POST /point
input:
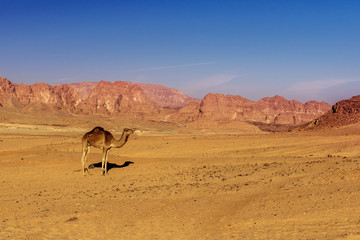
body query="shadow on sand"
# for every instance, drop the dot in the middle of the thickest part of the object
(110, 165)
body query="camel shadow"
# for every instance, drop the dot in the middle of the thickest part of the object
(110, 165)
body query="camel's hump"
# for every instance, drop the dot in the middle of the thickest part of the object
(97, 129)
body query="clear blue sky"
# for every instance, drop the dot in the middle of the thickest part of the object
(301, 50)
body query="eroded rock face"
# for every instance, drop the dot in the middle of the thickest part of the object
(276, 110)
(221, 107)
(165, 97)
(43, 96)
(104, 98)
(118, 98)
(343, 113)
(350, 106)
(162, 96)
(7, 90)
(189, 113)
(157, 103)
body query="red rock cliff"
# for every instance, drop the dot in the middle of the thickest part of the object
(277, 109)
(343, 113)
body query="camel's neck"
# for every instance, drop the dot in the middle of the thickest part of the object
(119, 143)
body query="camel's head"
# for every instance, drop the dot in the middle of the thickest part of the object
(128, 131)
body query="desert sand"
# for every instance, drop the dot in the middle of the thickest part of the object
(173, 185)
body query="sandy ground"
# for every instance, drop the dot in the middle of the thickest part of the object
(172, 186)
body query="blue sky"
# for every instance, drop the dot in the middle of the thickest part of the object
(304, 50)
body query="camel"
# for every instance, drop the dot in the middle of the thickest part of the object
(104, 140)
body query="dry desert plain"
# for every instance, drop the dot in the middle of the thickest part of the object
(171, 185)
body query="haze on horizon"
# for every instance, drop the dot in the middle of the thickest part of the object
(304, 50)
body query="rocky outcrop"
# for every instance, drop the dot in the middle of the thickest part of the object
(343, 113)
(162, 96)
(221, 107)
(274, 110)
(7, 90)
(119, 98)
(165, 97)
(41, 96)
(189, 113)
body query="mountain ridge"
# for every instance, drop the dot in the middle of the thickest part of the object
(154, 102)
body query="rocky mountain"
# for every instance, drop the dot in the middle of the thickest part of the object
(131, 100)
(7, 90)
(165, 97)
(119, 99)
(270, 110)
(162, 96)
(343, 113)
(154, 102)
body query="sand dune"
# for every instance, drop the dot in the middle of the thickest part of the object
(181, 186)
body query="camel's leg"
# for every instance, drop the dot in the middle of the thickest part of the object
(85, 161)
(106, 160)
(86, 150)
(103, 162)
